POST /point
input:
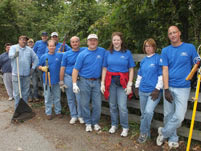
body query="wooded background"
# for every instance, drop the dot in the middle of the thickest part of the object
(137, 19)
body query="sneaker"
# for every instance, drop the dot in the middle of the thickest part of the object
(173, 145)
(160, 139)
(49, 117)
(10, 99)
(88, 128)
(142, 138)
(124, 132)
(81, 120)
(97, 127)
(36, 99)
(73, 120)
(112, 129)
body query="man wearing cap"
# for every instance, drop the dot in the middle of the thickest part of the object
(26, 57)
(5, 66)
(59, 46)
(39, 48)
(89, 65)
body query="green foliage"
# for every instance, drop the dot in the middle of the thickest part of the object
(137, 19)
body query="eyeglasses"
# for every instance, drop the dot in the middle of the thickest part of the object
(147, 46)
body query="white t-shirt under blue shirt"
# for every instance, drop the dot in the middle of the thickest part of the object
(179, 61)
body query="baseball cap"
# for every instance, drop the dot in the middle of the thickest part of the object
(30, 40)
(54, 34)
(44, 34)
(91, 36)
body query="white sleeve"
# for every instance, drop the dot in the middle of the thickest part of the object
(137, 83)
(159, 84)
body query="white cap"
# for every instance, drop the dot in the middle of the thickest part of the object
(54, 34)
(91, 36)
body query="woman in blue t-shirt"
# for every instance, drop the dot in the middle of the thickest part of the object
(149, 83)
(117, 77)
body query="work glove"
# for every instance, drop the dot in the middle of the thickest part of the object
(32, 71)
(62, 86)
(128, 89)
(102, 87)
(136, 92)
(16, 54)
(44, 68)
(155, 94)
(168, 96)
(75, 88)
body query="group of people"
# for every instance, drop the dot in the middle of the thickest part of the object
(86, 72)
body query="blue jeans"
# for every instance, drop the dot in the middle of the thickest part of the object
(90, 90)
(118, 104)
(52, 97)
(25, 85)
(147, 107)
(72, 98)
(174, 112)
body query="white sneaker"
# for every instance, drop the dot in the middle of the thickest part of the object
(160, 139)
(173, 144)
(124, 132)
(97, 127)
(10, 99)
(88, 128)
(81, 120)
(112, 129)
(73, 120)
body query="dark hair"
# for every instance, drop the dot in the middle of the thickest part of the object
(24, 37)
(123, 47)
(7, 44)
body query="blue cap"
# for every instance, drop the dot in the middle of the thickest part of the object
(44, 34)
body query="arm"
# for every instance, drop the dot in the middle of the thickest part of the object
(62, 70)
(104, 70)
(131, 73)
(75, 75)
(165, 77)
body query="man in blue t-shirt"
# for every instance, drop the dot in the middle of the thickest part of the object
(39, 48)
(89, 65)
(50, 64)
(67, 66)
(177, 60)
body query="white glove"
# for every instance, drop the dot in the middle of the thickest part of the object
(75, 88)
(128, 89)
(102, 87)
(62, 86)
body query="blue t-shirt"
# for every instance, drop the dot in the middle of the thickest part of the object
(66, 48)
(69, 59)
(89, 63)
(40, 48)
(5, 63)
(150, 70)
(118, 61)
(54, 63)
(179, 61)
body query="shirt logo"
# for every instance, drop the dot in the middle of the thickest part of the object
(184, 54)
(152, 65)
(161, 60)
(98, 57)
(122, 57)
(57, 59)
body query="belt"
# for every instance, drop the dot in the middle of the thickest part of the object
(92, 79)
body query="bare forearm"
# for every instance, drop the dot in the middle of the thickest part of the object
(165, 77)
(62, 70)
(74, 75)
(104, 70)
(131, 73)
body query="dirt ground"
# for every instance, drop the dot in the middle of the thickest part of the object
(66, 137)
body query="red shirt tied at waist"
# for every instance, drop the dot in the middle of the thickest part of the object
(124, 77)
